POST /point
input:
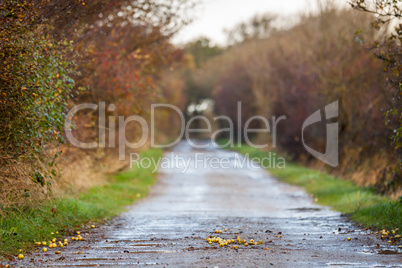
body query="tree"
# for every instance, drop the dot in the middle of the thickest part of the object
(36, 81)
(388, 14)
(202, 50)
(258, 27)
(50, 51)
(300, 70)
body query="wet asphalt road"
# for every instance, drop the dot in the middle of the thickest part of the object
(168, 228)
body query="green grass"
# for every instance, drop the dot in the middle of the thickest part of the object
(19, 229)
(361, 204)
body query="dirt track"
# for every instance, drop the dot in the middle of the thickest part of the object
(168, 228)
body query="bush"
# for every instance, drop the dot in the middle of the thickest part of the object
(35, 83)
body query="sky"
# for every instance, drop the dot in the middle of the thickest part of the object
(213, 16)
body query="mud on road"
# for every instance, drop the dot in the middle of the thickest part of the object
(169, 227)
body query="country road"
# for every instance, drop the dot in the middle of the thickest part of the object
(168, 228)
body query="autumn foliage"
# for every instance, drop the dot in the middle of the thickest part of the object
(388, 49)
(293, 72)
(55, 54)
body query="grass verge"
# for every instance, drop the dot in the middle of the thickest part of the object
(19, 229)
(361, 204)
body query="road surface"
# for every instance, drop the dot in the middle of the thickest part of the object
(168, 228)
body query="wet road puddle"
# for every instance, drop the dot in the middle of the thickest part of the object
(106, 264)
(305, 209)
(344, 264)
(94, 259)
(389, 252)
(123, 241)
(81, 265)
(145, 245)
(153, 252)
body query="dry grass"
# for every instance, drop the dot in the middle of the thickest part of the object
(78, 170)
(82, 169)
(377, 170)
(365, 169)
(18, 187)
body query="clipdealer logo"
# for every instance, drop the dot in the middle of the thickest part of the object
(331, 155)
(119, 124)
